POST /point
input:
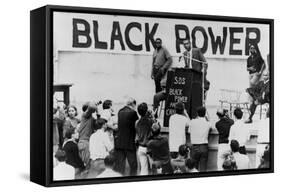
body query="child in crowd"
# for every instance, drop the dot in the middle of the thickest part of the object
(178, 164)
(158, 150)
(109, 164)
(71, 148)
(62, 171)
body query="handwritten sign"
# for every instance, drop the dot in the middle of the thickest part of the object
(183, 85)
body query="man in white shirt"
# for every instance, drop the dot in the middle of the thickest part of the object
(62, 171)
(242, 161)
(239, 130)
(99, 146)
(177, 129)
(199, 129)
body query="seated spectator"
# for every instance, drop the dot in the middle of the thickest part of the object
(109, 164)
(72, 153)
(178, 125)
(99, 146)
(178, 164)
(242, 161)
(62, 171)
(199, 130)
(143, 133)
(229, 162)
(191, 166)
(158, 150)
(157, 98)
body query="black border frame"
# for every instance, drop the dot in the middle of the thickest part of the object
(41, 162)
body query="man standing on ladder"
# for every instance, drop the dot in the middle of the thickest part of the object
(161, 63)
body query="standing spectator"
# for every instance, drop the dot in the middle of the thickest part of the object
(178, 125)
(223, 127)
(71, 119)
(239, 130)
(161, 62)
(109, 162)
(242, 161)
(191, 166)
(100, 145)
(158, 150)
(85, 130)
(107, 113)
(143, 133)
(72, 154)
(125, 138)
(58, 120)
(62, 171)
(199, 129)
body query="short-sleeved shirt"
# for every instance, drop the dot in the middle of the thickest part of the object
(160, 57)
(177, 133)
(239, 131)
(199, 131)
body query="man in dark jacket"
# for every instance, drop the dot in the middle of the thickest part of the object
(125, 146)
(223, 127)
(194, 59)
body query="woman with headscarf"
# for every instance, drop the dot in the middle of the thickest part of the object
(255, 65)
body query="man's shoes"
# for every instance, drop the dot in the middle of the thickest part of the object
(249, 121)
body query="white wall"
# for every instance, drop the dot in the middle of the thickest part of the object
(116, 76)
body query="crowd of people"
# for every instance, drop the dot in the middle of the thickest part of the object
(130, 143)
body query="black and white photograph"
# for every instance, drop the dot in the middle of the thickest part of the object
(140, 95)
